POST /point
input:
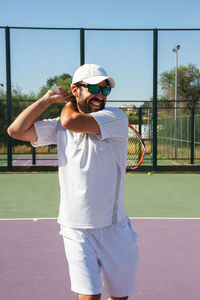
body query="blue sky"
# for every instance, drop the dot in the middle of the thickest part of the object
(126, 56)
(104, 13)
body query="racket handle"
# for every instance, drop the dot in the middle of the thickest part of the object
(55, 89)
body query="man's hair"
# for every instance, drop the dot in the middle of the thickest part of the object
(77, 84)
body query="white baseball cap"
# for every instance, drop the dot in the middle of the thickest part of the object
(92, 74)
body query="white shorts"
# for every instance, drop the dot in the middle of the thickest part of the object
(112, 250)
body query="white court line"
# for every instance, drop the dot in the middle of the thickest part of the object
(24, 164)
(27, 162)
(132, 218)
(163, 218)
(28, 219)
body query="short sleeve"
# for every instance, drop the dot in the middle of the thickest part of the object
(46, 132)
(113, 122)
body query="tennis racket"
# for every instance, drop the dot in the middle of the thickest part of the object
(136, 149)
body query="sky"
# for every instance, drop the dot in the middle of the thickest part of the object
(101, 14)
(126, 56)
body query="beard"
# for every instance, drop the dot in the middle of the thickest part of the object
(90, 105)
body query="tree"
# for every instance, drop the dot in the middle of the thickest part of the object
(21, 100)
(188, 86)
(63, 80)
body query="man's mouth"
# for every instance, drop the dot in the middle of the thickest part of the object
(96, 103)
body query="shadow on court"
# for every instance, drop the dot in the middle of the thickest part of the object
(33, 264)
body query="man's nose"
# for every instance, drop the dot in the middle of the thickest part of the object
(100, 95)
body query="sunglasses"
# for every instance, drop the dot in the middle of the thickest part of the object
(95, 89)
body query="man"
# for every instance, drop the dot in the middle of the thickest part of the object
(92, 148)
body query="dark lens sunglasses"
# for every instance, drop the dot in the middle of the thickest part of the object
(95, 89)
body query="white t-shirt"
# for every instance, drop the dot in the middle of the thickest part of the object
(91, 169)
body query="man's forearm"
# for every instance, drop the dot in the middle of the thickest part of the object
(27, 118)
(22, 128)
(74, 120)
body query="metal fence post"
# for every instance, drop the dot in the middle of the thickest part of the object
(140, 120)
(155, 87)
(33, 156)
(9, 96)
(82, 46)
(192, 137)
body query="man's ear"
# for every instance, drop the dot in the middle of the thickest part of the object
(75, 90)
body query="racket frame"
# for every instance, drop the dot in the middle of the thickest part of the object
(143, 147)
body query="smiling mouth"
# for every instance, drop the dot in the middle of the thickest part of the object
(97, 104)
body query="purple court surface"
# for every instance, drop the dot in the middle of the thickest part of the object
(33, 264)
(39, 162)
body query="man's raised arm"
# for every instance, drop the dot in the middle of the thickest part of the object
(23, 126)
(77, 121)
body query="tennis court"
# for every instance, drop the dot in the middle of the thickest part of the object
(165, 213)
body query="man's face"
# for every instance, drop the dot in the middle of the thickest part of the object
(87, 102)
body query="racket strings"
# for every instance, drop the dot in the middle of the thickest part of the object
(136, 150)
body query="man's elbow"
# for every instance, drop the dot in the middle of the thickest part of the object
(11, 132)
(14, 133)
(28, 135)
(67, 123)
(64, 123)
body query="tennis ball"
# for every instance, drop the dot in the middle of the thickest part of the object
(149, 173)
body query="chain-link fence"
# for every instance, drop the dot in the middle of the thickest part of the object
(178, 139)
(150, 73)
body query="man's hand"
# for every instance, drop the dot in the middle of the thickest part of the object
(57, 97)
